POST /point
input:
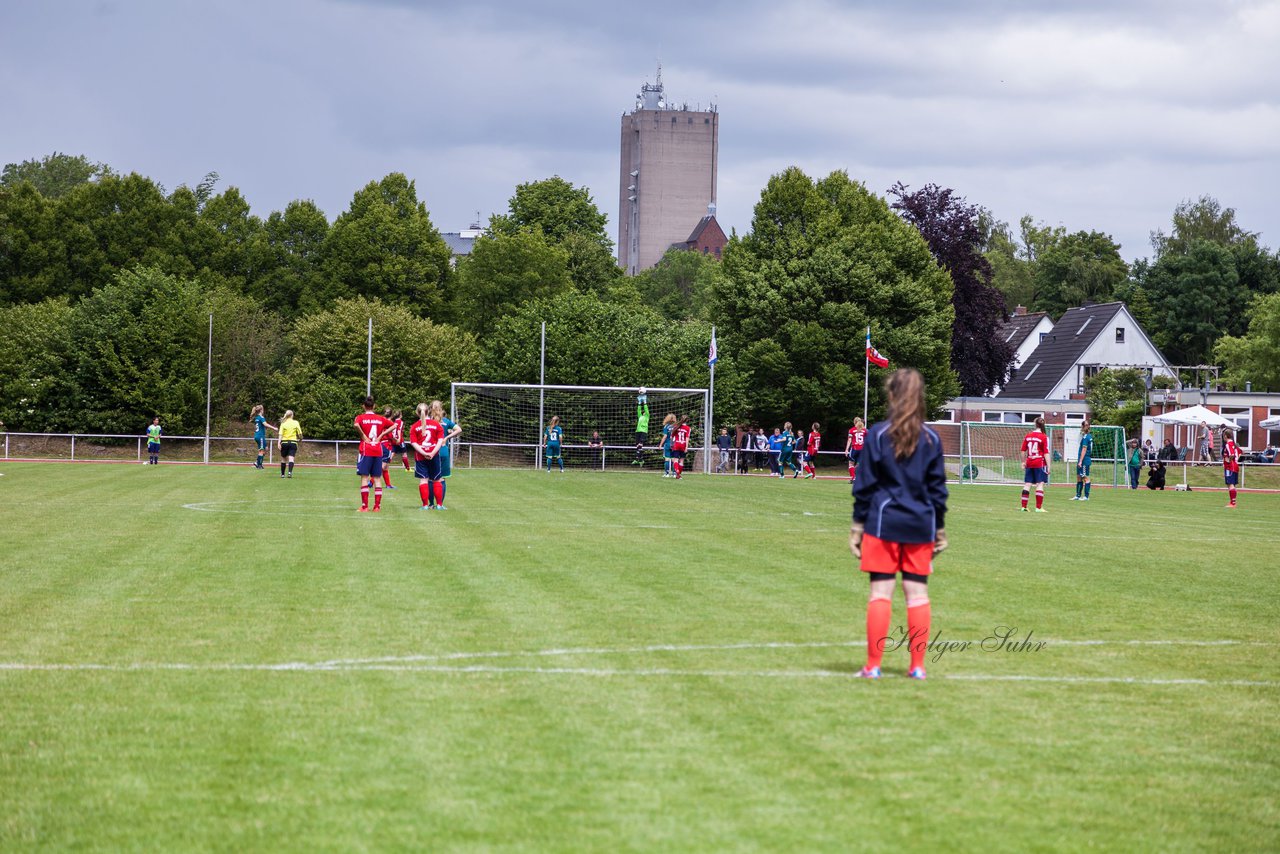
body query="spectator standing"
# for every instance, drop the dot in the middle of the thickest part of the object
(723, 444)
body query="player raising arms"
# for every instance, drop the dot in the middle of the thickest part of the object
(426, 436)
(373, 428)
(1035, 446)
(680, 445)
(1083, 463)
(451, 432)
(260, 428)
(642, 425)
(1230, 463)
(811, 451)
(853, 447)
(551, 439)
(899, 510)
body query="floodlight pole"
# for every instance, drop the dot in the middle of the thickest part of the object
(208, 391)
(866, 379)
(368, 364)
(542, 382)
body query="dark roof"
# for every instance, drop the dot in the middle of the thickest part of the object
(1060, 350)
(701, 227)
(1016, 329)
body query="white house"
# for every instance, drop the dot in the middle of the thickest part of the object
(1024, 331)
(1085, 340)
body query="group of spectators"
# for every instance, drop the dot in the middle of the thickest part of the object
(1157, 461)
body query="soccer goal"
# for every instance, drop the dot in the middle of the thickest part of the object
(503, 424)
(992, 452)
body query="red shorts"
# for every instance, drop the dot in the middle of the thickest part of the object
(884, 556)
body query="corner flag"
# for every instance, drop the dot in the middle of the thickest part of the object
(873, 355)
(711, 354)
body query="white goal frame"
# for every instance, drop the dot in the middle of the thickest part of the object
(542, 388)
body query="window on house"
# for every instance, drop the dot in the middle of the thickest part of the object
(992, 417)
(1242, 416)
(1043, 335)
(1074, 418)
(1119, 334)
(706, 121)
(1273, 436)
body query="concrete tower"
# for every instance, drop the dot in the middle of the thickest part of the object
(667, 175)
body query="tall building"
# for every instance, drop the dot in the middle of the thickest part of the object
(667, 175)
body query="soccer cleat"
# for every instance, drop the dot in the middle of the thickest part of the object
(441, 507)
(869, 673)
(1229, 506)
(1076, 498)
(427, 507)
(282, 477)
(1086, 498)
(389, 486)
(363, 510)
(1023, 509)
(1040, 510)
(916, 673)
(376, 510)
(289, 475)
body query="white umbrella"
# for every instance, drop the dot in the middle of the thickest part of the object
(1270, 422)
(1194, 416)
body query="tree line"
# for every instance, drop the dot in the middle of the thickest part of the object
(107, 282)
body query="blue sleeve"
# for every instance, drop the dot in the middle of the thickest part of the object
(865, 484)
(936, 482)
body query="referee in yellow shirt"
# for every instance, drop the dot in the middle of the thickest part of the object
(290, 433)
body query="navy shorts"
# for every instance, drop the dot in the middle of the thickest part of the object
(1083, 470)
(677, 455)
(1040, 475)
(1231, 477)
(427, 469)
(153, 447)
(368, 466)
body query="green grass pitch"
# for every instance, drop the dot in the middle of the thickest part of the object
(215, 658)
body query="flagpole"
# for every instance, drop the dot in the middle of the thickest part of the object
(711, 399)
(866, 377)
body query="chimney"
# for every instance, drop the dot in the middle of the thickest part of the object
(1019, 311)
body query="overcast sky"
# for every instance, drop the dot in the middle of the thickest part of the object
(1090, 114)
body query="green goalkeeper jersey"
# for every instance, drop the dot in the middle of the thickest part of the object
(642, 418)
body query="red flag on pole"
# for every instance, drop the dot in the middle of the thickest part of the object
(873, 355)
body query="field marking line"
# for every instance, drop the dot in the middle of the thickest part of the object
(598, 672)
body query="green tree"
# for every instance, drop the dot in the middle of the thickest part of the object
(680, 285)
(1116, 397)
(567, 217)
(414, 359)
(248, 347)
(1204, 219)
(287, 255)
(1255, 356)
(1078, 268)
(1196, 297)
(38, 392)
(504, 271)
(823, 261)
(139, 348)
(31, 248)
(384, 247)
(53, 175)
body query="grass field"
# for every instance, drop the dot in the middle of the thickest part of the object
(214, 658)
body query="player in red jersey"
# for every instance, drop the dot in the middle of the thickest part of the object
(1035, 462)
(426, 437)
(373, 428)
(853, 447)
(811, 451)
(1230, 462)
(680, 445)
(389, 445)
(398, 445)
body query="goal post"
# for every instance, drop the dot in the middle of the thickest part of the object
(503, 423)
(991, 452)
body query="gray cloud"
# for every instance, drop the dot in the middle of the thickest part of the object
(1082, 114)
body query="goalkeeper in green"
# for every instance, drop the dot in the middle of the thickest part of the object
(642, 426)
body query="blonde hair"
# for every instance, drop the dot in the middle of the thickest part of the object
(905, 389)
(256, 411)
(422, 409)
(437, 410)
(670, 419)
(786, 425)
(555, 419)
(857, 422)
(288, 413)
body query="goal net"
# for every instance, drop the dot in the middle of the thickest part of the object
(503, 425)
(992, 453)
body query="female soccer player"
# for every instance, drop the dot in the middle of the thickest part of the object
(642, 425)
(388, 446)
(668, 427)
(425, 437)
(680, 445)
(1083, 462)
(787, 450)
(1035, 465)
(153, 442)
(552, 437)
(260, 428)
(899, 507)
(853, 447)
(373, 428)
(451, 432)
(1230, 463)
(289, 433)
(811, 451)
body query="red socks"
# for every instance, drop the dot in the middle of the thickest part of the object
(1232, 493)
(1039, 499)
(386, 475)
(405, 459)
(424, 490)
(918, 632)
(1024, 500)
(879, 612)
(377, 497)
(853, 472)
(437, 488)
(364, 496)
